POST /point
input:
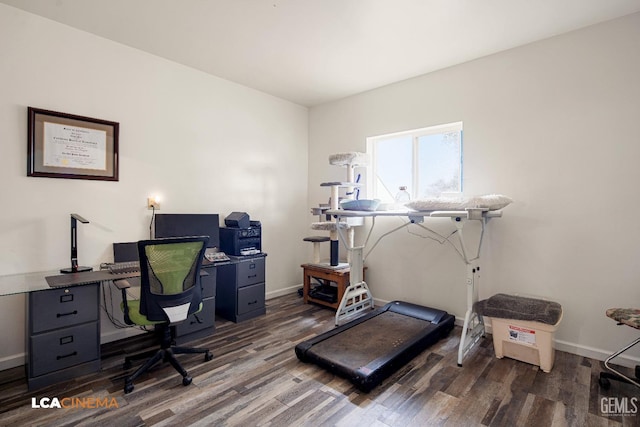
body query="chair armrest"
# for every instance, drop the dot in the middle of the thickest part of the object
(122, 284)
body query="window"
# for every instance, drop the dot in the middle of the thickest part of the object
(427, 161)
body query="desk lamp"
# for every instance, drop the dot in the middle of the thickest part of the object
(74, 246)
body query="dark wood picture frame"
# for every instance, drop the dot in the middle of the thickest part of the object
(62, 145)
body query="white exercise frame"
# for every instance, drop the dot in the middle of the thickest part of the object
(357, 296)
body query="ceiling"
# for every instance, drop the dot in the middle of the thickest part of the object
(315, 51)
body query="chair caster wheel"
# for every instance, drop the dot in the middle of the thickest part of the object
(126, 365)
(186, 380)
(604, 383)
(128, 388)
(208, 356)
(460, 365)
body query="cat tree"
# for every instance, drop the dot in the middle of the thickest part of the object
(350, 161)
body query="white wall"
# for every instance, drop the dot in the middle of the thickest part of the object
(204, 144)
(554, 125)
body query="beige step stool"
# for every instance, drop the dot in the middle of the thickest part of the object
(530, 342)
(522, 327)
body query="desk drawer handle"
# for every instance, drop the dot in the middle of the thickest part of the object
(66, 298)
(66, 340)
(75, 353)
(251, 303)
(67, 314)
(252, 276)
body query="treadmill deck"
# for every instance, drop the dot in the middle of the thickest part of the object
(370, 348)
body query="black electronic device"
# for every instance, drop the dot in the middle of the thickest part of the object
(326, 293)
(241, 241)
(125, 252)
(125, 258)
(237, 220)
(183, 225)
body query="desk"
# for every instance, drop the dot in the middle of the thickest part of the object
(63, 333)
(63, 321)
(23, 283)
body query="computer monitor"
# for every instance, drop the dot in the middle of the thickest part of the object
(125, 252)
(180, 225)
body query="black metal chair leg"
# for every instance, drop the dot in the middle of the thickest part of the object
(616, 375)
(128, 382)
(188, 350)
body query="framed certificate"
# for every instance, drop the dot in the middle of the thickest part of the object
(67, 146)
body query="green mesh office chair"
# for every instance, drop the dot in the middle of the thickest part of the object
(169, 292)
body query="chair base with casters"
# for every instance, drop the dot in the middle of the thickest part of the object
(629, 317)
(166, 353)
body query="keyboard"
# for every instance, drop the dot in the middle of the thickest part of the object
(124, 267)
(216, 257)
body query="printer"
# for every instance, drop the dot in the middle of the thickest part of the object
(241, 236)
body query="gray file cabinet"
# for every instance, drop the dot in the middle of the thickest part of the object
(201, 324)
(241, 288)
(63, 334)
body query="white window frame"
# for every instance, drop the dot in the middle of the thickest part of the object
(372, 182)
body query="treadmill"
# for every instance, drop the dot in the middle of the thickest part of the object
(371, 348)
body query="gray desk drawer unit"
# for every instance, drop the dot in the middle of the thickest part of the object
(63, 334)
(241, 289)
(201, 324)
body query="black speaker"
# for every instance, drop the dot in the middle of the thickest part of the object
(237, 220)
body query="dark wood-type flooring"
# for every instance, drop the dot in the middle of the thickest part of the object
(256, 379)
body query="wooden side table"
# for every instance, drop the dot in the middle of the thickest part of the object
(339, 276)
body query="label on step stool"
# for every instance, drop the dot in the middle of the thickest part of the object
(522, 335)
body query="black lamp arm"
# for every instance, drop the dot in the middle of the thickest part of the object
(74, 245)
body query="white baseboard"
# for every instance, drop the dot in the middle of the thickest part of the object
(596, 353)
(579, 350)
(120, 334)
(282, 292)
(13, 361)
